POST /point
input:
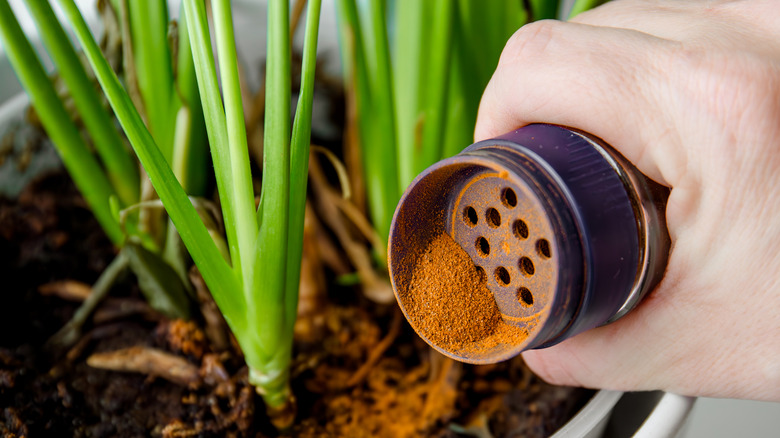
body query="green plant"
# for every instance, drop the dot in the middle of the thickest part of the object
(256, 286)
(415, 71)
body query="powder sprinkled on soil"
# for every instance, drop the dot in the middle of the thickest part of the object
(447, 298)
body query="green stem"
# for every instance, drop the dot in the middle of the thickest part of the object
(149, 27)
(271, 257)
(299, 161)
(81, 164)
(463, 99)
(70, 332)
(379, 149)
(374, 100)
(194, 168)
(240, 175)
(409, 57)
(121, 166)
(272, 380)
(211, 99)
(436, 86)
(182, 154)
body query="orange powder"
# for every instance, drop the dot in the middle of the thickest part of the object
(447, 298)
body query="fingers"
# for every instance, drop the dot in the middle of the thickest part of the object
(601, 80)
(617, 356)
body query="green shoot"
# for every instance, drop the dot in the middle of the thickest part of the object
(190, 149)
(368, 70)
(253, 293)
(299, 161)
(154, 72)
(276, 187)
(407, 79)
(434, 111)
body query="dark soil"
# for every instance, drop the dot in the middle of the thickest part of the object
(48, 234)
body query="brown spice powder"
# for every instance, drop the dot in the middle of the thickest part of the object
(447, 299)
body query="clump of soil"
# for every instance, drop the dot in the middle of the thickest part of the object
(447, 299)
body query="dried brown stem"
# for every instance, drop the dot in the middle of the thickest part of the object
(442, 390)
(146, 360)
(352, 156)
(378, 351)
(216, 328)
(70, 290)
(374, 287)
(361, 223)
(311, 296)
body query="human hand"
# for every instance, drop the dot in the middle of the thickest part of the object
(690, 93)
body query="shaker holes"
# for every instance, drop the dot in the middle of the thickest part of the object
(527, 266)
(470, 216)
(481, 273)
(483, 247)
(509, 198)
(543, 248)
(525, 297)
(493, 217)
(502, 276)
(520, 229)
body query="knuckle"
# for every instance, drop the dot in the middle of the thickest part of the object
(610, 12)
(529, 41)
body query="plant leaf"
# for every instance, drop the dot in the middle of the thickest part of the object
(299, 161)
(154, 69)
(159, 283)
(216, 124)
(268, 309)
(240, 176)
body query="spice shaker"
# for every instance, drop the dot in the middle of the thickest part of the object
(567, 234)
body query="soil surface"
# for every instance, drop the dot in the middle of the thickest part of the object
(343, 387)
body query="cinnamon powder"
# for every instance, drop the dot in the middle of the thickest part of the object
(447, 299)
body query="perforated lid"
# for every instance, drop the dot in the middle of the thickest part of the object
(545, 216)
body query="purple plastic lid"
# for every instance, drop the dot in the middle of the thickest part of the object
(599, 245)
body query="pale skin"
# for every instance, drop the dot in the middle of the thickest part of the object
(690, 93)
